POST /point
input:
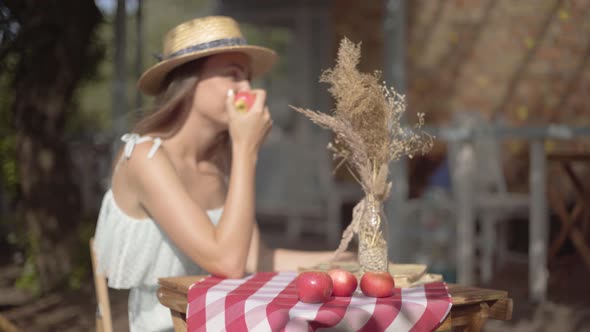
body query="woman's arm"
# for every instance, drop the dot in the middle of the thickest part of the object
(221, 250)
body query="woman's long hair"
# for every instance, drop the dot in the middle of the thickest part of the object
(171, 106)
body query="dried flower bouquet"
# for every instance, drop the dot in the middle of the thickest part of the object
(368, 135)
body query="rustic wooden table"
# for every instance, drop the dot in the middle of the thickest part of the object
(471, 306)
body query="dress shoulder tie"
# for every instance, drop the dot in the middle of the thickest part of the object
(133, 139)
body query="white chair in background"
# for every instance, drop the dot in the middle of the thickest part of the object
(295, 183)
(492, 204)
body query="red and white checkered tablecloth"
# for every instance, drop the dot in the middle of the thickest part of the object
(267, 302)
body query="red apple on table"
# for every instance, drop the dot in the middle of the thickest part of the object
(243, 101)
(313, 286)
(344, 282)
(377, 284)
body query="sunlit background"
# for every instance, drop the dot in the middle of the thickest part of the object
(503, 85)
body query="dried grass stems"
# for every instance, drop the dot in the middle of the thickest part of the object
(367, 126)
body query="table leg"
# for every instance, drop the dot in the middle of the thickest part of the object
(580, 244)
(538, 238)
(567, 220)
(463, 181)
(470, 318)
(570, 219)
(578, 235)
(446, 325)
(487, 251)
(575, 180)
(479, 319)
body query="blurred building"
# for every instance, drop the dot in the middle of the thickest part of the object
(516, 63)
(523, 62)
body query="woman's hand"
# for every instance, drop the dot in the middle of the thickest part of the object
(248, 130)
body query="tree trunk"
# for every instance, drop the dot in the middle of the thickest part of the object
(55, 50)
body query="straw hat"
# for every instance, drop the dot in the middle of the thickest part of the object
(199, 38)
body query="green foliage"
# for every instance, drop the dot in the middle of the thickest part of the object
(10, 185)
(29, 279)
(276, 38)
(90, 110)
(81, 259)
(78, 120)
(8, 162)
(9, 172)
(95, 97)
(23, 55)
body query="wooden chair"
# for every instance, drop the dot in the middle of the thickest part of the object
(104, 322)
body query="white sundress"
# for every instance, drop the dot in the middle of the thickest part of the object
(134, 253)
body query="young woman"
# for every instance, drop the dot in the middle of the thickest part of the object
(182, 197)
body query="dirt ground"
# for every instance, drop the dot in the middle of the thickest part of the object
(567, 308)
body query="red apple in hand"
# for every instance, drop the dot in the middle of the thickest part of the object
(313, 286)
(243, 101)
(377, 284)
(344, 282)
